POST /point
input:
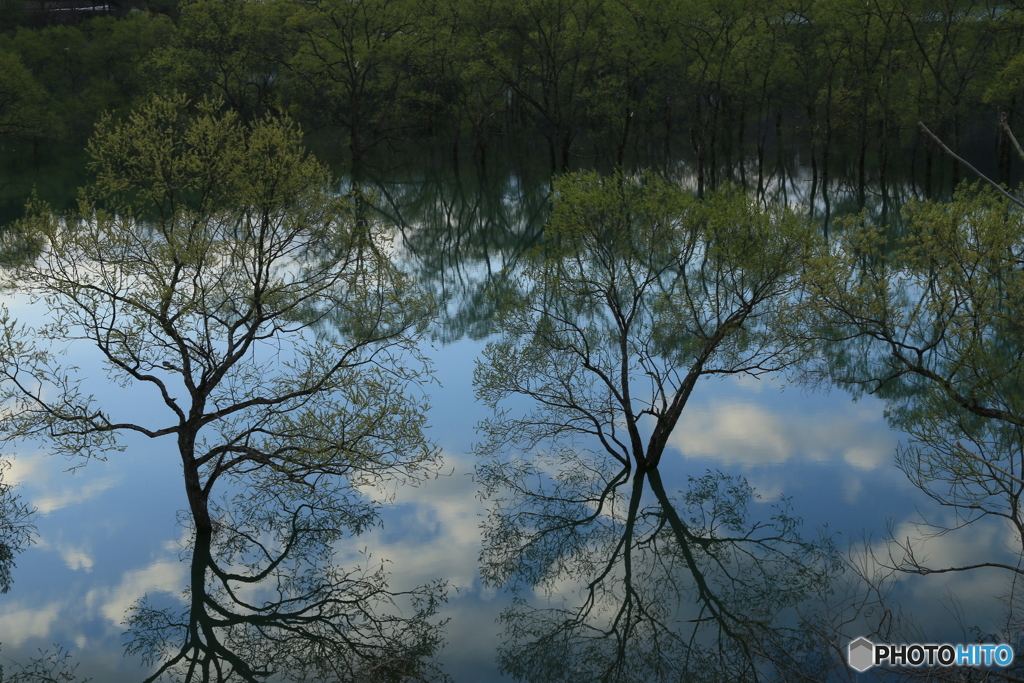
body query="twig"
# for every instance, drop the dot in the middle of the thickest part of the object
(1013, 139)
(988, 464)
(978, 173)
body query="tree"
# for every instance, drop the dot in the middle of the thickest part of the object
(639, 291)
(266, 601)
(231, 50)
(931, 322)
(210, 264)
(351, 66)
(687, 588)
(16, 529)
(548, 54)
(23, 112)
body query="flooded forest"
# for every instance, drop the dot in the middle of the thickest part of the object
(382, 341)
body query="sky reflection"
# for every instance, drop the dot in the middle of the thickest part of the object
(108, 532)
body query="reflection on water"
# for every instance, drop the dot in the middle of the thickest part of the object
(16, 527)
(266, 599)
(615, 580)
(596, 565)
(639, 293)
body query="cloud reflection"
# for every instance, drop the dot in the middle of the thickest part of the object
(162, 576)
(53, 501)
(443, 516)
(75, 557)
(744, 433)
(18, 624)
(34, 471)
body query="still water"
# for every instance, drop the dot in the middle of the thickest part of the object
(110, 532)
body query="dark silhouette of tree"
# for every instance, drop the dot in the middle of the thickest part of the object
(639, 291)
(266, 601)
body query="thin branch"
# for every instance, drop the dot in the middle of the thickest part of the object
(976, 172)
(1006, 129)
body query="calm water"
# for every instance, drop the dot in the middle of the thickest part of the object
(108, 532)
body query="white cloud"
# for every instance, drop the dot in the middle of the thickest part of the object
(739, 432)
(75, 557)
(446, 515)
(23, 469)
(162, 576)
(57, 500)
(18, 624)
(47, 486)
(868, 457)
(976, 591)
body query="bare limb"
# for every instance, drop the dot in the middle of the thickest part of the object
(976, 172)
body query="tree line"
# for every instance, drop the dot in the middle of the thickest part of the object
(838, 82)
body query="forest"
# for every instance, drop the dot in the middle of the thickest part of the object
(834, 82)
(272, 217)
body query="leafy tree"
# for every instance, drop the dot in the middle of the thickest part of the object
(931, 322)
(87, 70)
(16, 529)
(549, 54)
(952, 55)
(639, 291)
(233, 51)
(23, 110)
(211, 265)
(116, 51)
(351, 66)
(579, 333)
(12, 12)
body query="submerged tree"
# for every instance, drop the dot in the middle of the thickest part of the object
(265, 600)
(932, 323)
(204, 265)
(639, 292)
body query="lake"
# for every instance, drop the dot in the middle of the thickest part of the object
(112, 531)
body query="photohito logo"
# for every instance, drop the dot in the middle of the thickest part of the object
(863, 654)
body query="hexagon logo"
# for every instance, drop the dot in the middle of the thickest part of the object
(862, 654)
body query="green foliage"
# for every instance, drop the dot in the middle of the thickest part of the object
(352, 64)
(233, 51)
(23, 111)
(16, 529)
(86, 70)
(932, 324)
(640, 291)
(212, 265)
(856, 76)
(210, 244)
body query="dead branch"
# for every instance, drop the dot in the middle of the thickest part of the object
(976, 172)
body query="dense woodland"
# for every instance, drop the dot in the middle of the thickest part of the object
(214, 241)
(839, 83)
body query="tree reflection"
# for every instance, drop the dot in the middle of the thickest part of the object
(640, 291)
(16, 528)
(462, 229)
(266, 600)
(931, 323)
(641, 586)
